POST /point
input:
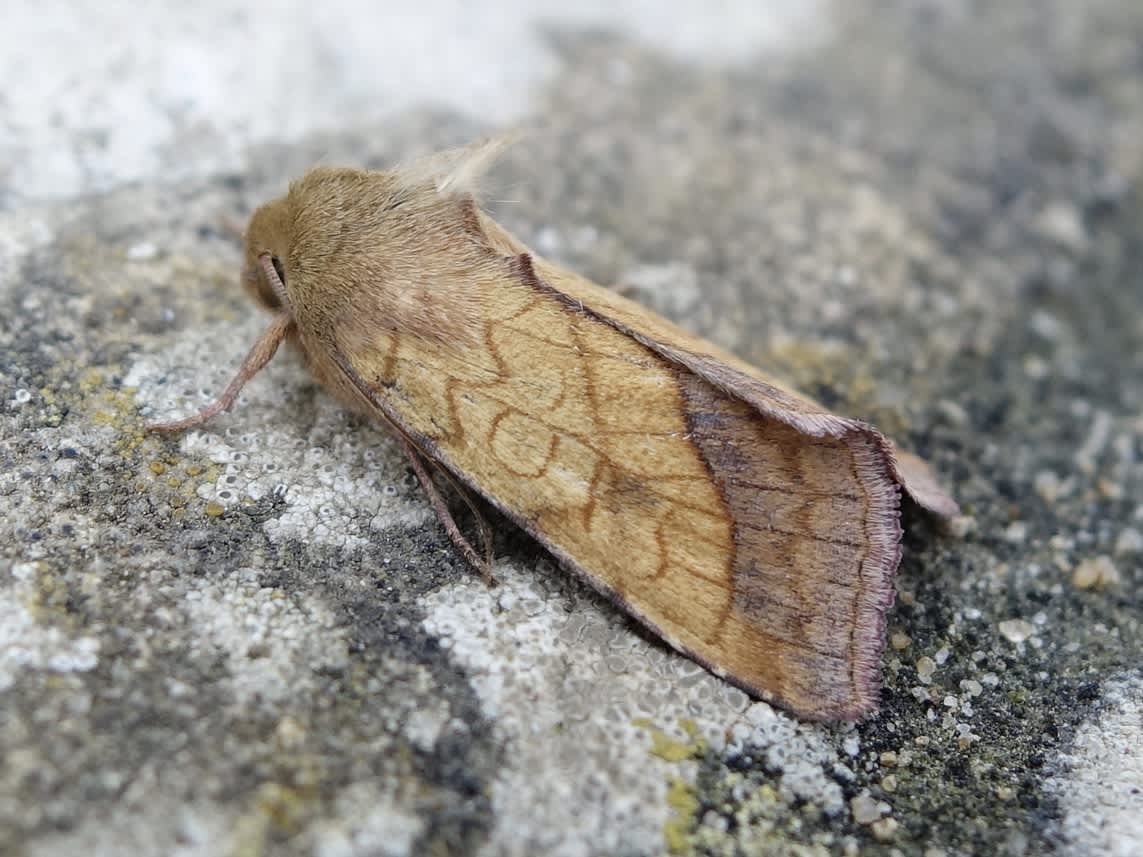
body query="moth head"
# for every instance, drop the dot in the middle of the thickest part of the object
(267, 234)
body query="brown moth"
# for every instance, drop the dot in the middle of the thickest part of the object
(740, 521)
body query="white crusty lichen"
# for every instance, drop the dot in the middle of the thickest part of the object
(599, 721)
(338, 484)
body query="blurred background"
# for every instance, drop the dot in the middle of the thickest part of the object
(98, 93)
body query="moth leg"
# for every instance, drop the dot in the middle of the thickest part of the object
(481, 525)
(261, 354)
(481, 564)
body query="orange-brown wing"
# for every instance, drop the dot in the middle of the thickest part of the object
(724, 370)
(759, 549)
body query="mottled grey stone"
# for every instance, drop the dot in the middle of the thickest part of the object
(255, 639)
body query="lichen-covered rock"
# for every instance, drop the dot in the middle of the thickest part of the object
(255, 639)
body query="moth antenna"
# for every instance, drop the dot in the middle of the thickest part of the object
(267, 263)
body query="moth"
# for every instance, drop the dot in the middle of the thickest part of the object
(740, 521)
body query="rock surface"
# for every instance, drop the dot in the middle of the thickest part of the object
(255, 639)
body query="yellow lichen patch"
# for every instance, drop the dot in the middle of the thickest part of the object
(90, 381)
(804, 361)
(682, 798)
(668, 749)
(50, 599)
(276, 809)
(283, 806)
(183, 488)
(200, 475)
(114, 408)
(673, 749)
(87, 391)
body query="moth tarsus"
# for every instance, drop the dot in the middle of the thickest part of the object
(743, 523)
